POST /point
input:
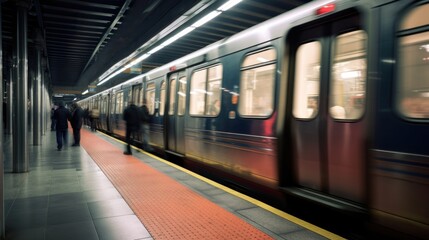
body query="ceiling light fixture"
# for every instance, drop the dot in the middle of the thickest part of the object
(187, 30)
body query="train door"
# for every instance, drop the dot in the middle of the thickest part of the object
(107, 104)
(176, 112)
(138, 101)
(112, 107)
(328, 103)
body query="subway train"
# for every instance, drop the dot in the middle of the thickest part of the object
(327, 104)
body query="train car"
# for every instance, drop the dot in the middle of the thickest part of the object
(327, 104)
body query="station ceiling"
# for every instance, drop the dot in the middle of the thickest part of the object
(82, 39)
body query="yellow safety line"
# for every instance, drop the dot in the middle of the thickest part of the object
(265, 206)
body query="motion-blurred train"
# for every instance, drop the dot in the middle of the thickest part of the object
(327, 103)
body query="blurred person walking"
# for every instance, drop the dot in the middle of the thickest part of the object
(132, 116)
(94, 114)
(53, 121)
(61, 116)
(145, 127)
(76, 123)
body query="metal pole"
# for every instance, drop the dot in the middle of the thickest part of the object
(9, 98)
(20, 95)
(37, 97)
(2, 220)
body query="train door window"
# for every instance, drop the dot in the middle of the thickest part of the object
(205, 94)
(162, 99)
(347, 89)
(119, 102)
(413, 61)
(129, 98)
(141, 96)
(113, 101)
(150, 97)
(257, 84)
(198, 90)
(182, 96)
(103, 105)
(172, 96)
(307, 81)
(135, 97)
(100, 105)
(214, 90)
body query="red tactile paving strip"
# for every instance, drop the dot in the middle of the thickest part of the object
(168, 209)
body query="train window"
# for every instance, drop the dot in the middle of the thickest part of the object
(172, 96)
(150, 97)
(136, 91)
(162, 99)
(198, 92)
(413, 59)
(206, 91)
(307, 81)
(119, 102)
(103, 105)
(416, 18)
(141, 96)
(257, 84)
(348, 80)
(113, 101)
(182, 96)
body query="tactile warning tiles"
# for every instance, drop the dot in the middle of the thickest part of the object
(167, 209)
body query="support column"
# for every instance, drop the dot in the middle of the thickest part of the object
(9, 98)
(2, 219)
(44, 98)
(37, 103)
(20, 93)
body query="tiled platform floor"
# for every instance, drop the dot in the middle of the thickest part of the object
(65, 196)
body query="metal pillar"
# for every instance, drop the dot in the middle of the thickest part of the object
(43, 99)
(9, 98)
(30, 77)
(2, 219)
(37, 103)
(20, 93)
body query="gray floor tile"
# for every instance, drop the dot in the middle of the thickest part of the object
(31, 203)
(231, 202)
(72, 231)
(68, 214)
(109, 208)
(101, 195)
(66, 199)
(27, 234)
(270, 221)
(25, 219)
(303, 235)
(124, 227)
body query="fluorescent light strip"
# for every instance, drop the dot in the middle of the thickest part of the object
(139, 59)
(187, 30)
(228, 5)
(85, 92)
(179, 35)
(206, 18)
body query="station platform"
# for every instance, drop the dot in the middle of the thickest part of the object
(95, 192)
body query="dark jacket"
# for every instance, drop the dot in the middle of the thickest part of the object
(77, 118)
(144, 114)
(62, 115)
(132, 116)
